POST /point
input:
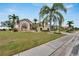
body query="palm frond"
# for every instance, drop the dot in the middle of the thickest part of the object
(10, 17)
(46, 19)
(70, 22)
(59, 6)
(54, 18)
(44, 10)
(60, 17)
(17, 17)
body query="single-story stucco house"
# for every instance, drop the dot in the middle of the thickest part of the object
(23, 25)
(27, 25)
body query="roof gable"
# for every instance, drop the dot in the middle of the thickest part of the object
(27, 20)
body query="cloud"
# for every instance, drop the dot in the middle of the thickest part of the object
(69, 6)
(3, 15)
(11, 10)
(49, 4)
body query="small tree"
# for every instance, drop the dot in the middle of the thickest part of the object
(69, 23)
(35, 21)
(14, 19)
(6, 23)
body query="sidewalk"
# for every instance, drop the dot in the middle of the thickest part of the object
(46, 49)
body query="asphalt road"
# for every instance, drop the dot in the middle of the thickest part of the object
(75, 48)
(64, 46)
(70, 48)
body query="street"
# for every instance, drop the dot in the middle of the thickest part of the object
(70, 48)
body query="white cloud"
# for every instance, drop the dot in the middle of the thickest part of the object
(11, 10)
(69, 6)
(49, 4)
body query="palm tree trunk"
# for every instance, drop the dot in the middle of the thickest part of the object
(59, 28)
(60, 24)
(13, 24)
(50, 20)
(50, 26)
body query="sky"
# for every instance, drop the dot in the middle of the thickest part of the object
(31, 11)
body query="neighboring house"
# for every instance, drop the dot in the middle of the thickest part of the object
(23, 25)
(43, 26)
(65, 26)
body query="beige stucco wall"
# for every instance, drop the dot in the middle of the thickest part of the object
(19, 26)
(43, 28)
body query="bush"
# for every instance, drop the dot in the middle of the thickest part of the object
(4, 29)
(15, 30)
(10, 29)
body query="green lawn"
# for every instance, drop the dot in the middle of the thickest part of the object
(14, 42)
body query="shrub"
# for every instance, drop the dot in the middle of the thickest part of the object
(15, 30)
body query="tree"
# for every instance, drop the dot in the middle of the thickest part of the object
(14, 19)
(60, 20)
(71, 27)
(6, 23)
(51, 13)
(70, 23)
(3, 24)
(35, 25)
(35, 20)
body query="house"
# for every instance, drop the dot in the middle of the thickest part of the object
(43, 26)
(27, 25)
(23, 25)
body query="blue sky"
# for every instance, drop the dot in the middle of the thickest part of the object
(31, 11)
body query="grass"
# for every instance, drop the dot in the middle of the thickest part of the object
(15, 42)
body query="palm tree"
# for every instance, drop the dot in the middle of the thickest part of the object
(51, 13)
(13, 21)
(35, 20)
(70, 23)
(60, 20)
(71, 28)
